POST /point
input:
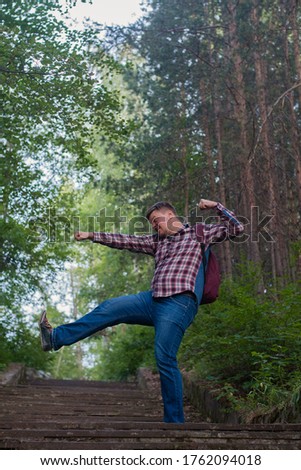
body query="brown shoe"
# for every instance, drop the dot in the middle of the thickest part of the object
(45, 333)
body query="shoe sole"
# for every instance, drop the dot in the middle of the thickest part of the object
(42, 317)
(45, 346)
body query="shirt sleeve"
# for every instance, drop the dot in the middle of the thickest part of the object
(228, 227)
(138, 244)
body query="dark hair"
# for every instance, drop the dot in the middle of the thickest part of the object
(158, 206)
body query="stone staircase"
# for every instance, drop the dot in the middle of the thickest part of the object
(74, 414)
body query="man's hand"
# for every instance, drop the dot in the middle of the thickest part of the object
(79, 236)
(206, 204)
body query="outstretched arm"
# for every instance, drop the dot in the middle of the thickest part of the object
(138, 244)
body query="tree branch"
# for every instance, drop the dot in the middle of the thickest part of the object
(252, 153)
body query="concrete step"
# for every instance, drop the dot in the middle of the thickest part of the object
(62, 415)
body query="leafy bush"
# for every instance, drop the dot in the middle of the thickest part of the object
(20, 343)
(249, 344)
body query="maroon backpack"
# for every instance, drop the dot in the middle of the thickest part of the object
(212, 276)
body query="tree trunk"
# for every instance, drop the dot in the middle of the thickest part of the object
(276, 255)
(221, 176)
(296, 41)
(207, 142)
(241, 115)
(292, 204)
(186, 177)
(79, 352)
(209, 161)
(184, 152)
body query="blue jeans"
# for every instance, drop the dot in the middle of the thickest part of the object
(170, 316)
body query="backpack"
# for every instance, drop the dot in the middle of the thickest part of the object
(212, 277)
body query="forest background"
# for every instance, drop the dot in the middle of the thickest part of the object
(195, 99)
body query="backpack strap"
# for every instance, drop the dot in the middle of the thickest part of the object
(200, 237)
(204, 257)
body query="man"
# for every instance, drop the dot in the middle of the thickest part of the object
(171, 304)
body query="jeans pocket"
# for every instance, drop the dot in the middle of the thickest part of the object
(182, 301)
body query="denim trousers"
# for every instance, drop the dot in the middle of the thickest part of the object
(170, 316)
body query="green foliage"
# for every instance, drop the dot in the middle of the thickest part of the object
(249, 344)
(53, 94)
(55, 91)
(67, 363)
(123, 351)
(19, 343)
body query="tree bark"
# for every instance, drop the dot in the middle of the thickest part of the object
(241, 115)
(221, 176)
(267, 156)
(184, 153)
(292, 203)
(79, 352)
(207, 142)
(296, 42)
(209, 160)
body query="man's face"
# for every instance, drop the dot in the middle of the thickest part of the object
(162, 221)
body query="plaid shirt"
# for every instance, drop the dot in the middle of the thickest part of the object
(177, 257)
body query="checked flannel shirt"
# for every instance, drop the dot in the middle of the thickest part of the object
(177, 257)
